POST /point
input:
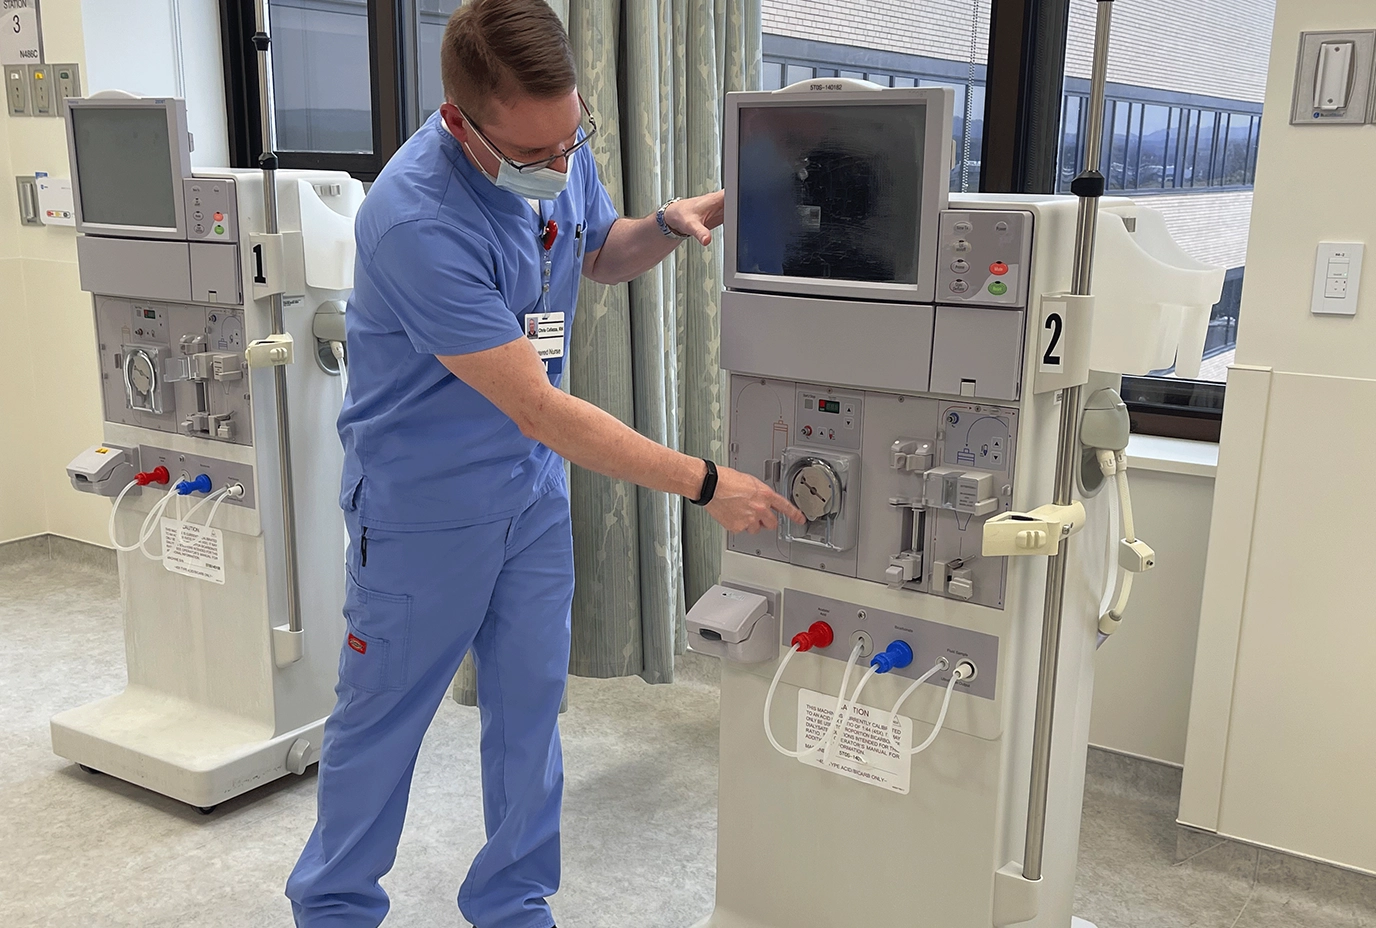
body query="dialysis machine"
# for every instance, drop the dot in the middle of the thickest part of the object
(920, 374)
(218, 306)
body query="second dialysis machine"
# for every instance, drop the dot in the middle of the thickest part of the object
(218, 308)
(900, 361)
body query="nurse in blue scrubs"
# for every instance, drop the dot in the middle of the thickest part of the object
(471, 245)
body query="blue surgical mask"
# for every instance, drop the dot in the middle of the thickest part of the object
(544, 184)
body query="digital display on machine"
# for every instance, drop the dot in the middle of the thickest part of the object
(829, 405)
(831, 192)
(124, 162)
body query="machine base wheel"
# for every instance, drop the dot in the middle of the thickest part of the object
(206, 810)
(91, 770)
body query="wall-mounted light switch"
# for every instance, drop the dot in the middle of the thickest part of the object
(1337, 279)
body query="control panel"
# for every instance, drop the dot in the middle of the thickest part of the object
(175, 368)
(829, 419)
(221, 473)
(212, 212)
(928, 640)
(984, 258)
(895, 488)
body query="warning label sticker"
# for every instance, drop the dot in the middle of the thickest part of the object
(193, 550)
(869, 750)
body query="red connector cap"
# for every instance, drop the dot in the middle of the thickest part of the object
(819, 635)
(158, 474)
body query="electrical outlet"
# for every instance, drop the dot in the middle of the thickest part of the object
(68, 83)
(41, 90)
(17, 89)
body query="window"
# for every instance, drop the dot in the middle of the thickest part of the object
(425, 21)
(1159, 148)
(335, 83)
(321, 76)
(1181, 134)
(787, 61)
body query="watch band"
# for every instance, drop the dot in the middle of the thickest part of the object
(664, 224)
(709, 485)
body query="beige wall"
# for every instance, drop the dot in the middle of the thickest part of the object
(1281, 747)
(51, 409)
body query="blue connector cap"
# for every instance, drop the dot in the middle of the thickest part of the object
(895, 657)
(200, 485)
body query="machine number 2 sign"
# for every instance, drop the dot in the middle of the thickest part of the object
(21, 42)
(1052, 343)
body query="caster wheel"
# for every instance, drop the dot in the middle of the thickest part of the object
(91, 770)
(206, 810)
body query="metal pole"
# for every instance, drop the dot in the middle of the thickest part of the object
(1089, 187)
(277, 317)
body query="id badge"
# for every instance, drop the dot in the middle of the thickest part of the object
(546, 333)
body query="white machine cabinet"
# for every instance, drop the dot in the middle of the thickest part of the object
(883, 342)
(223, 694)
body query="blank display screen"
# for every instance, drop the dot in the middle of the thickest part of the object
(124, 163)
(831, 192)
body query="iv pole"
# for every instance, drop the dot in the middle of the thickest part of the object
(1089, 187)
(268, 162)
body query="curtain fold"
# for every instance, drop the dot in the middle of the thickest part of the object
(655, 74)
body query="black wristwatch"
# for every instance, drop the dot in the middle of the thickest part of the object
(709, 485)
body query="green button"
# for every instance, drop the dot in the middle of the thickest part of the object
(998, 288)
(220, 230)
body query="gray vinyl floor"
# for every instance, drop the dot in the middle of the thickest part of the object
(77, 850)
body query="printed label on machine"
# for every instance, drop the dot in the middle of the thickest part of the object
(193, 550)
(868, 750)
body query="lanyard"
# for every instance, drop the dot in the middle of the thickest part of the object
(549, 232)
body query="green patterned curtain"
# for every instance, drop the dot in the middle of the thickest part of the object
(655, 74)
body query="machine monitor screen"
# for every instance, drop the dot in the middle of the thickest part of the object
(124, 160)
(831, 192)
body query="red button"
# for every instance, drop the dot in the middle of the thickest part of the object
(998, 269)
(219, 217)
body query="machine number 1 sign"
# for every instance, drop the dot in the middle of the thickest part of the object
(21, 41)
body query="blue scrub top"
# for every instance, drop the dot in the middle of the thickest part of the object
(448, 263)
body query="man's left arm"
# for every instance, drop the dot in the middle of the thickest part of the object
(633, 246)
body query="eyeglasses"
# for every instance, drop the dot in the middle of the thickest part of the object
(530, 167)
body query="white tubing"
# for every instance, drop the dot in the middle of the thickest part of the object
(114, 510)
(939, 666)
(836, 714)
(769, 704)
(337, 349)
(144, 531)
(840, 698)
(216, 508)
(1125, 498)
(217, 497)
(956, 677)
(1112, 617)
(850, 711)
(153, 521)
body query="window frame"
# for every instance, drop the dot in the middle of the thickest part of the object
(386, 85)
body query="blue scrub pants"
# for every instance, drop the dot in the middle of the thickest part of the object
(416, 602)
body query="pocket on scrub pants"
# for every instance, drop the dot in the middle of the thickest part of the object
(377, 631)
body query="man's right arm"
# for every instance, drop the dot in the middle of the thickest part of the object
(512, 377)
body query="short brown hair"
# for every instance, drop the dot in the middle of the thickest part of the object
(503, 48)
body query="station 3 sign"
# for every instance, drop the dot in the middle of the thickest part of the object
(21, 41)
